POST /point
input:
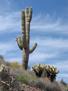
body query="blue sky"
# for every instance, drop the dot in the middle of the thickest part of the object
(49, 28)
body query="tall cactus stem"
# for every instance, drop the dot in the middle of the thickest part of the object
(25, 41)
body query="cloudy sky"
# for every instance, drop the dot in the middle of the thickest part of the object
(49, 28)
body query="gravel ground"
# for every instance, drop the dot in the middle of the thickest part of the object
(29, 88)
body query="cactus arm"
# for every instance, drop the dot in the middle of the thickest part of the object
(33, 48)
(23, 21)
(20, 42)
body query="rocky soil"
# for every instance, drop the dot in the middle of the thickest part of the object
(29, 88)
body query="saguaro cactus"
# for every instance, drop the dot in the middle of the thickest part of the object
(24, 40)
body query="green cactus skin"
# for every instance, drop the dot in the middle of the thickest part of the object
(24, 40)
(20, 42)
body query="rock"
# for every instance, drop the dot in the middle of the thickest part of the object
(8, 81)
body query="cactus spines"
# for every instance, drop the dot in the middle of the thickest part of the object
(38, 69)
(46, 70)
(20, 42)
(24, 40)
(33, 48)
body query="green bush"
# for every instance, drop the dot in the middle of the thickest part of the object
(15, 65)
(26, 77)
(23, 79)
(47, 85)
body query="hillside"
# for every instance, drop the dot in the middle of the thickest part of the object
(17, 79)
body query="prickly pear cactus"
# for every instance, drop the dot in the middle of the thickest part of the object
(24, 40)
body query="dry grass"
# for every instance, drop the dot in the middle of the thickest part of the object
(28, 77)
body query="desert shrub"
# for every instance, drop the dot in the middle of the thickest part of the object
(7, 63)
(23, 79)
(26, 77)
(46, 85)
(8, 81)
(2, 60)
(63, 82)
(64, 85)
(67, 88)
(46, 71)
(38, 84)
(53, 87)
(15, 65)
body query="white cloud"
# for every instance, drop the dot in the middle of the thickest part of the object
(8, 46)
(56, 43)
(38, 57)
(46, 23)
(40, 23)
(9, 22)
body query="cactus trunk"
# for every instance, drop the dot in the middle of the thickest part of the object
(24, 40)
(25, 58)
